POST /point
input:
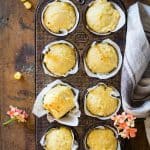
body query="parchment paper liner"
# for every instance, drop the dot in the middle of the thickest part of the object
(103, 127)
(70, 119)
(75, 144)
(120, 24)
(63, 32)
(107, 75)
(47, 48)
(115, 93)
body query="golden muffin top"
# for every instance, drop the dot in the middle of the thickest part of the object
(102, 58)
(101, 139)
(60, 59)
(100, 102)
(59, 100)
(59, 139)
(102, 17)
(59, 16)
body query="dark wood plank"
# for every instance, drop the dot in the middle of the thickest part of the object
(16, 54)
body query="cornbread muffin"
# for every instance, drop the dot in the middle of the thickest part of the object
(60, 59)
(99, 101)
(59, 16)
(101, 139)
(102, 58)
(59, 139)
(59, 100)
(102, 17)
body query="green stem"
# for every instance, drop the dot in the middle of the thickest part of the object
(9, 121)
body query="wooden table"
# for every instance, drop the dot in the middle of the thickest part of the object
(17, 53)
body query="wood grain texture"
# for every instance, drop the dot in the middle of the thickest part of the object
(17, 54)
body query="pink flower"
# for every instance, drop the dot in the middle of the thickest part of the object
(119, 118)
(16, 114)
(131, 117)
(124, 135)
(127, 133)
(132, 132)
(125, 125)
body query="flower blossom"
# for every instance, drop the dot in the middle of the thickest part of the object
(125, 125)
(16, 114)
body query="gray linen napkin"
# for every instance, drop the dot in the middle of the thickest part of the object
(136, 60)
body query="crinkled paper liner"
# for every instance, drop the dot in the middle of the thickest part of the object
(115, 93)
(70, 119)
(108, 75)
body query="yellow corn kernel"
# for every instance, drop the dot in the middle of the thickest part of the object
(17, 76)
(27, 5)
(22, 0)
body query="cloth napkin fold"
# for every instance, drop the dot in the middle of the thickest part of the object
(136, 60)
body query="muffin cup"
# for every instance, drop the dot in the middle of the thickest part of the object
(106, 75)
(115, 94)
(120, 24)
(70, 119)
(103, 127)
(63, 32)
(75, 145)
(47, 49)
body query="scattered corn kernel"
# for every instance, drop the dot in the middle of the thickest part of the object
(17, 75)
(27, 5)
(23, 0)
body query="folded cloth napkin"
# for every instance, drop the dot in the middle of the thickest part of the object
(136, 60)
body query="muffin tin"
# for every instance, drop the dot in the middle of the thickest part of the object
(81, 38)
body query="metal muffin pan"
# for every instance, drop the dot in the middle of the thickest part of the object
(81, 38)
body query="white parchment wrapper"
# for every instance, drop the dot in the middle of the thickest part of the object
(70, 119)
(47, 48)
(74, 144)
(112, 73)
(103, 127)
(115, 93)
(64, 31)
(120, 24)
